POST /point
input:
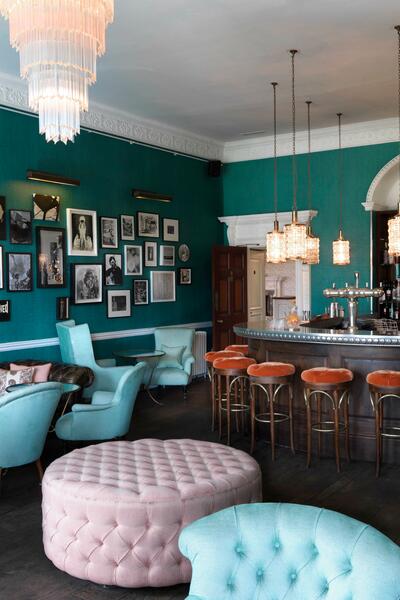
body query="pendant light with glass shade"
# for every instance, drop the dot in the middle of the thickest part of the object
(340, 247)
(295, 233)
(312, 241)
(275, 241)
(394, 222)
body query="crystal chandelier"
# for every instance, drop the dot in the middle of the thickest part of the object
(275, 243)
(58, 42)
(295, 233)
(312, 241)
(394, 223)
(340, 247)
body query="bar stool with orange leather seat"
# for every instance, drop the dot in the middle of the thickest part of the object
(334, 384)
(243, 348)
(233, 371)
(383, 385)
(209, 357)
(271, 378)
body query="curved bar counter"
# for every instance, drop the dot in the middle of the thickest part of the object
(361, 352)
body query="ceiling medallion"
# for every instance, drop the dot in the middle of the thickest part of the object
(58, 42)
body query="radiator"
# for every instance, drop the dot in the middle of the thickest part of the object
(199, 368)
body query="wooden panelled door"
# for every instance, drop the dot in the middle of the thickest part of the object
(229, 267)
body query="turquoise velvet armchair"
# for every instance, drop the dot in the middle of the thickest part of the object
(25, 417)
(176, 341)
(289, 552)
(108, 415)
(76, 348)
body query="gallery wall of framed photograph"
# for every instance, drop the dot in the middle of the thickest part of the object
(50, 257)
(81, 232)
(87, 283)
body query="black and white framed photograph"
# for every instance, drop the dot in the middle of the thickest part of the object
(87, 283)
(148, 224)
(162, 286)
(3, 231)
(167, 256)
(50, 248)
(81, 232)
(140, 291)
(1, 268)
(150, 254)
(127, 227)
(133, 260)
(20, 226)
(118, 303)
(171, 230)
(185, 276)
(46, 208)
(62, 308)
(5, 310)
(184, 252)
(109, 232)
(19, 269)
(113, 269)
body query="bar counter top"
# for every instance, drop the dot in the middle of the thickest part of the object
(268, 330)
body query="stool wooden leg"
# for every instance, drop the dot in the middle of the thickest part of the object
(272, 419)
(378, 440)
(213, 399)
(291, 430)
(39, 468)
(228, 410)
(318, 421)
(253, 392)
(337, 430)
(381, 426)
(346, 425)
(309, 426)
(219, 384)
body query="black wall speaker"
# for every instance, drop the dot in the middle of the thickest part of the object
(214, 168)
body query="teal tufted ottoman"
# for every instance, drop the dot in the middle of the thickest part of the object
(289, 552)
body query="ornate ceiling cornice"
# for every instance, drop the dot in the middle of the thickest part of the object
(13, 94)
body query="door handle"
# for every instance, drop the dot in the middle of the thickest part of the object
(219, 321)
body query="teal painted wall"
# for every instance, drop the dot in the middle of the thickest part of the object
(108, 170)
(248, 189)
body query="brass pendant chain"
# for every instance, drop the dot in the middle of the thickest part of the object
(309, 188)
(294, 166)
(339, 116)
(274, 84)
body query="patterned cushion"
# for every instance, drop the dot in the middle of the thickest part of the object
(113, 512)
(40, 372)
(12, 377)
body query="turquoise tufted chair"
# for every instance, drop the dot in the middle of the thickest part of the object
(108, 415)
(76, 348)
(170, 371)
(289, 552)
(25, 417)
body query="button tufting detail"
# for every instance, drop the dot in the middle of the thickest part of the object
(293, 576)
(113, 512)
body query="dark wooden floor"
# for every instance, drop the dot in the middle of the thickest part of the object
(26, 574)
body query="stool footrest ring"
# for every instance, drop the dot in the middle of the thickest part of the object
(320, 427)
(266, 417)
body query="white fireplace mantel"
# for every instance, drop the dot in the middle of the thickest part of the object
(250, 230)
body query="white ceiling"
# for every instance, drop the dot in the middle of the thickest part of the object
(204, 66)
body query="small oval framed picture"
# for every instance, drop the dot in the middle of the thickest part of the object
(185, 276)
(184, 252)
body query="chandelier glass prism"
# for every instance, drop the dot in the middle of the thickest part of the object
(394, 222)
(58, 43)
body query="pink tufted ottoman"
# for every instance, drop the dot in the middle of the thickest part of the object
(112, 512)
